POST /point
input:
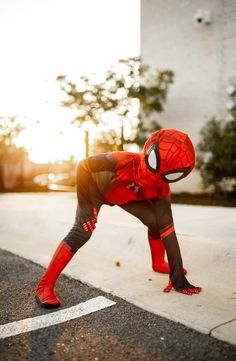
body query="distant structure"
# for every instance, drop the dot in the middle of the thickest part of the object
(17, 170)
(197, 40)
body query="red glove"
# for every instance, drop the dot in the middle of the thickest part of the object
(88, 218)
(187, 291)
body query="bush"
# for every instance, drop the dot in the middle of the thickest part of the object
(216, 158)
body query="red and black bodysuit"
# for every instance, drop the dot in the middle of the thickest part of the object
(138, 183)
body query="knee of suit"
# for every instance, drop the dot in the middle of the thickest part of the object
(76, 238)
(151, 224)
(154, 232)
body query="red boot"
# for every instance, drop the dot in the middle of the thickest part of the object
(158, 256)
(44, 293)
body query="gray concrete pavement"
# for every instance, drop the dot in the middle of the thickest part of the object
(31, 225)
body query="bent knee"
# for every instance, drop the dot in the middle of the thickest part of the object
(76, 238)
(152, 226)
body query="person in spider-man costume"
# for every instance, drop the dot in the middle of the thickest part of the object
(138, 183)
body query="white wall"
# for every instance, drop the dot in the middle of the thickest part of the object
(203, 58)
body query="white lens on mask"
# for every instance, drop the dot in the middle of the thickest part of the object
(173, 176)
(152, 160)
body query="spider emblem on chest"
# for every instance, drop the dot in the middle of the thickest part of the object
(133, 187)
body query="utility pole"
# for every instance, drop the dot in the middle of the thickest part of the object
(86, 143)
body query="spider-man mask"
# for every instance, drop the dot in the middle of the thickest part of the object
(168, 155)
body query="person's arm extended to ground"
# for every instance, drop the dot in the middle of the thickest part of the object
(97, 163)
(168, 236)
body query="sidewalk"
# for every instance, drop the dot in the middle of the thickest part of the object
(31, 225)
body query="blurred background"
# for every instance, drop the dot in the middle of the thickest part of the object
(83, 77)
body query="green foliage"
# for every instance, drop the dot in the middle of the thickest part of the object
(107, 142)
(217, 155)
(119, 93)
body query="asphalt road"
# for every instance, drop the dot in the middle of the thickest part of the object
(121, 332)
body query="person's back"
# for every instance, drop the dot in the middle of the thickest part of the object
(117, 177)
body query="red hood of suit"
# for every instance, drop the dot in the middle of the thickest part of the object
(176, 152)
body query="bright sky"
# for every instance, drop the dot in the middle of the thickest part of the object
(41, 39)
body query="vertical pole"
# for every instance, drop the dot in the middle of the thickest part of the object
(22, 159)
(122, 135)
(2, 188)
(86, 143)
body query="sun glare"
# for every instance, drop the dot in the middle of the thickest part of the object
(46, 143)
(44, 39)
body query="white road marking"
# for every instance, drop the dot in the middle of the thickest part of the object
(54, 318)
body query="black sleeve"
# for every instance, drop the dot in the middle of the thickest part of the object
(168, 236)
(97, 163)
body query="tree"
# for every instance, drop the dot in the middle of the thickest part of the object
(120, 96)
(152, 95)
(217, 155)
(9, 130)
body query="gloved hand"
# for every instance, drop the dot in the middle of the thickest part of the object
(88, 217)
(189, 290)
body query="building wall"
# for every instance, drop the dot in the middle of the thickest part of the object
(203, 58)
